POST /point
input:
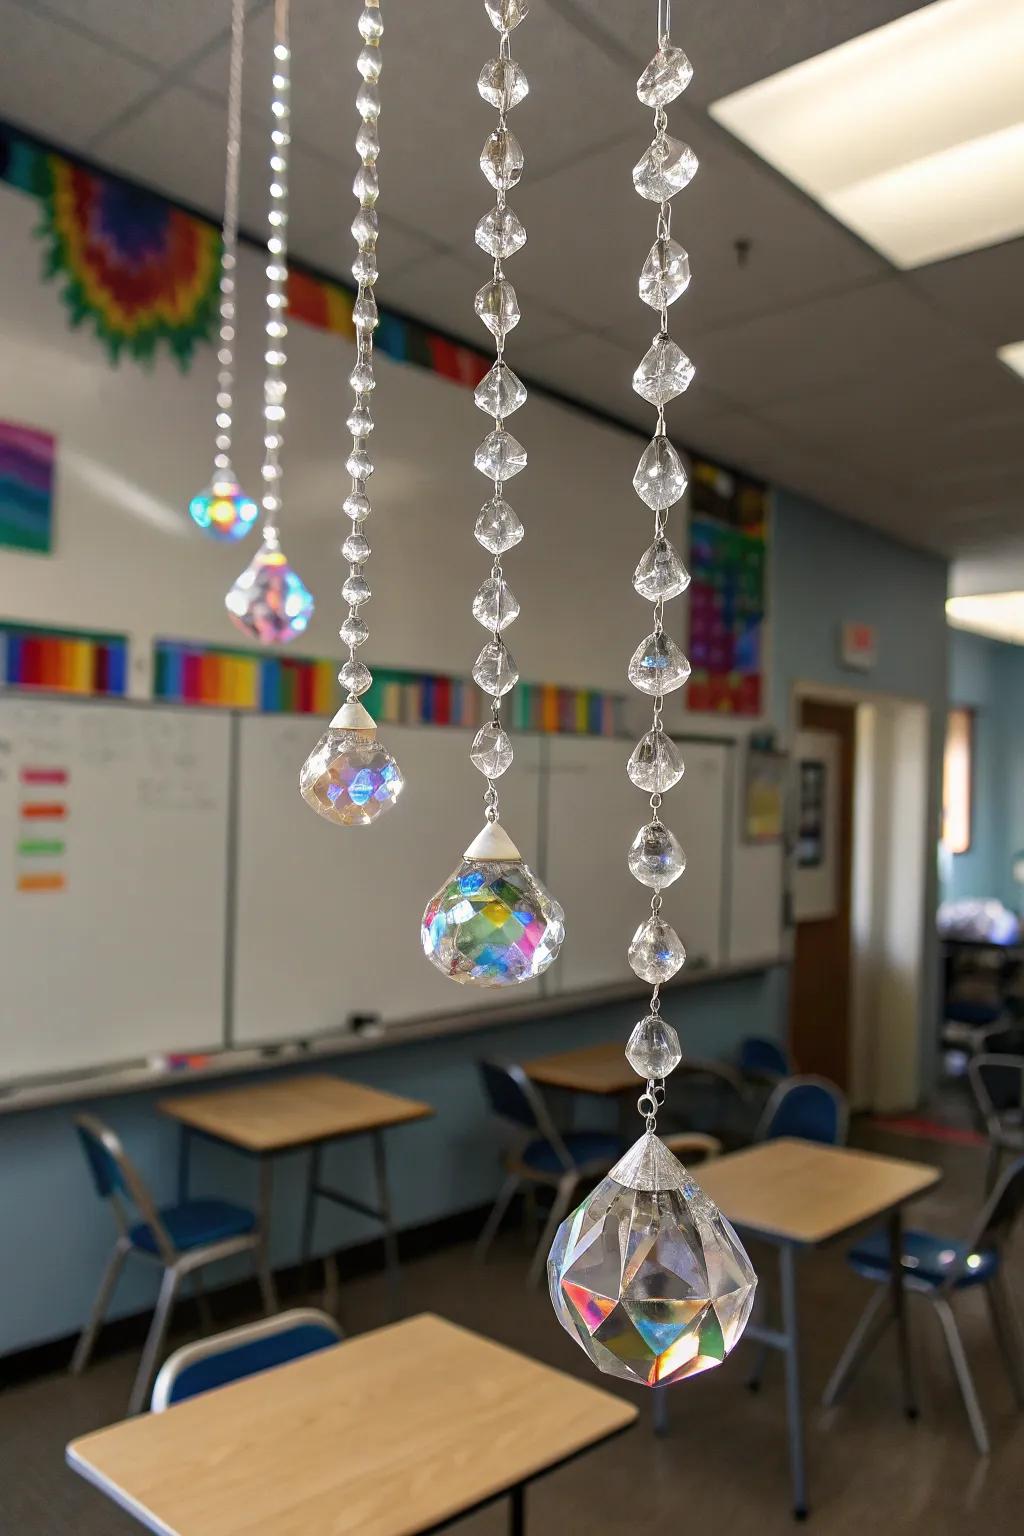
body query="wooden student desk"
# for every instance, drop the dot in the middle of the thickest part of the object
(264, 1119)
(797, 1195)
(603, 1069)
(399, 1431)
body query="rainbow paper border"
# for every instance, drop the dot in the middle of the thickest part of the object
(84, 662)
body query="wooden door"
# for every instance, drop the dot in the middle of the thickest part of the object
(819, 1015)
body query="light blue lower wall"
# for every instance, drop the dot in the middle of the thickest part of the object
(55, 1234)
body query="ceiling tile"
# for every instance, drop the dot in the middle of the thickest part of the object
(161, 33)
(983, 291)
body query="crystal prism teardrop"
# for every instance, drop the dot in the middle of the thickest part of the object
(664, 372)
(495, 670)
(647, 1276)
(491, 751)
(270, 601)
(654, 764)
(495, 605)
(501, 159)
(653, 1049)
(498, 527)
(656, 951)
(350, 778)
(658, 666)
(503, 84)
(664, 169)
(661, 574)
(500, 456)
(660, 478)
(665, 275)
(492, 924)
(500, 233)
(223, 510)
(656, 857)
(666, 77)
(498, 307)
(500, 392)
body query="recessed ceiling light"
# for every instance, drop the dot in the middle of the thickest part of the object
(1013, 356)
(999, 615)
(911, 135)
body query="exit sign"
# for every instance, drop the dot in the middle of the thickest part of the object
(859, 646)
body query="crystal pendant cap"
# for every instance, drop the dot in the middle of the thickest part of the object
(666, 77)
(500, 233)
(495, 670)
(495, 605)
(350, 778)
(665, 275)
(497, 306)
(654, 764)
(492, 750)
(269, 601)
(500, 392)
(653, 1049)
(658, 666)
(647, 1275)
(656, 951)
(498, 527)
(656, 857)
(664, 169)
(665, 371)
(661, 574)
(492, 924)
(500, 456)
(660, 478)
(223, 510)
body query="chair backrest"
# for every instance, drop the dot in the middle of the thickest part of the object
(242, 1352)
(119, 1181)
(516, 1100)
(1002, 1208)
(763, 1058)
(997, 1082)
(810, 1108)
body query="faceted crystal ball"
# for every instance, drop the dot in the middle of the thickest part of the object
(270, 601)
(492, 924)
(647, 1275)
(350, 778)
(223, 510)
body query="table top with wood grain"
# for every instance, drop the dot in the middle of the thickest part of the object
(387, 1434)
(270, 1117)
(604, 1069)
(802, 1193)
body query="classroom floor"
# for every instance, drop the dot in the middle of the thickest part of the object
(722, 1468)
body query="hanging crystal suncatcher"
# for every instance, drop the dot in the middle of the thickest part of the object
(647, 1275)
(492, 923)
(223, 510)
(270, 601)
(349, 777)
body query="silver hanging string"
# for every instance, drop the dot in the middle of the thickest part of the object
(275, 356)
(229, 248)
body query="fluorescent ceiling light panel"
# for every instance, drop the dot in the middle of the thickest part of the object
(911, 135)
(1013, 356)
(999, 615)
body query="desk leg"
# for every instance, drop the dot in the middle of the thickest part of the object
(184, 1163)
(899, 1308)
(517, 1511)
(384, 1202)
(309, 1213)
(794, 1404)
(266, 1274)
(659, 1410)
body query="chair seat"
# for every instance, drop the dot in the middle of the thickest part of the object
(927, 1258)
(584, 1147)
(195, 1223)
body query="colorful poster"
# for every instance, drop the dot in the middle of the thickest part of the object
(728, 560)
(27, 458)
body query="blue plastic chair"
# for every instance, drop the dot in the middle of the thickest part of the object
(938, 1268)
(809, 1108)
(761, 1060)
(180, 1239)
(541, 1154)
(242, 1352)
(997, 1082)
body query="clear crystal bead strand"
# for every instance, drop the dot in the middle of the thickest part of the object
(270, 601)
(350, 778)
(647, 1275)
(492, 923)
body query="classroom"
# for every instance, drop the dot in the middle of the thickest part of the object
(511, 832)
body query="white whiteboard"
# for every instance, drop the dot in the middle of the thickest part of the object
(328, 917)
(112, 901)
(593, 815)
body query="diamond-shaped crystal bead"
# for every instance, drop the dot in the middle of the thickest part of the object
(371, 26)
(354, 631)
(665, 275)
(270, 601)
(362, 380)
(658, 666)
(350, 778)
(653, 1048)
(500, 456)
(368, 100)
(495, 605)
(656, 857)
(368, 142)
(500, 392)
(503, 83)
(359, 421)
(664, 169)
(359, 464)
(356, 548)
(365, 314)
(355, 677)
(666, 77)
(660, 478)
(655, 951)
(365, 227)
(500, 233)
(498, 527)
(366, 186)
(661, 574)
(505, 15)
(357, 506)
(356, 590)
(364, 267)
(223, 510)
(495, 670)
(501, 159)
(497, 306)
(647, 1276)
(491, 751)
(665, 371)
(492, 924)
(654, 764)
(370, 63)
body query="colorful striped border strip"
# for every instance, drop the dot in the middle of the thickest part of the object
(186, 673)
(63, 660)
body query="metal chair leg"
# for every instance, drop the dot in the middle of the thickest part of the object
(559, 1208)
(954, 1344)
(202, 1302)
(111, 1274)
(992, 1161)
(154, 1340)
(265, 1276)
(1006, 1327)
(494, 1220)
(862, 1340)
